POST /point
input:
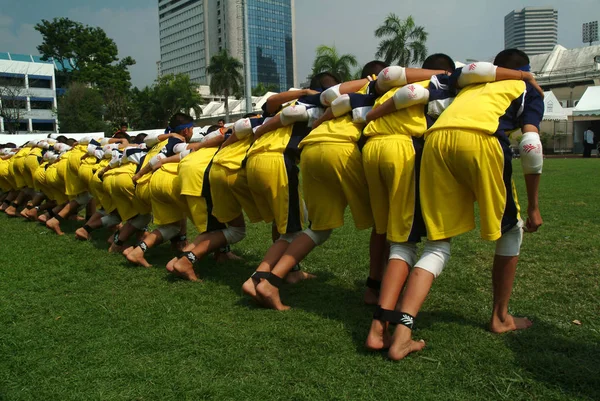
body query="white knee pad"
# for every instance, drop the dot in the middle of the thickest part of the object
(83, 199)
(435, 257)
(110, 220)
(288, 237)
(406, 252)
(318, 237)
(233, 235)
(169, 232)
(510, 243)
(140, 222)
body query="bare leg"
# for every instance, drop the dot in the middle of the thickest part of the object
(503, 277)
(94, 223)
(295, 252)
(12, 209)
(204, 244)
(379, 251)
(54, 223)
(393, 281)
(268, 263)
(8, 200)
(417, 288)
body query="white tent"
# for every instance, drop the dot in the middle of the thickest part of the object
(553, 110)
(589, 105)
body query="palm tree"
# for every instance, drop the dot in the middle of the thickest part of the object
(328, 60)
(225, 77)
(403, 43)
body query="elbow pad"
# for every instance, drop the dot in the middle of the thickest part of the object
(183, 154)
(212, 135)
(391, 77)
(180, 147)
(477, 73)
(61, 147)
(329, 95)
(341, 106)
(359, 115)
(104, 141)
(154, 161)
(314, 113)
(86, 140)
(243, 128)
(151, 140)
(91, 150)
(531, 153)
(293, 114)
(410, 95)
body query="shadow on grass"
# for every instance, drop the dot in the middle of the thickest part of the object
(555, 358)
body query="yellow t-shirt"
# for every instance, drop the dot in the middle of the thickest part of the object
(410, 121)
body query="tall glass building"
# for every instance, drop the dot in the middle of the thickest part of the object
(192, 31)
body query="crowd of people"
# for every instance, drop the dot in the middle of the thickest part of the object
(409, 151)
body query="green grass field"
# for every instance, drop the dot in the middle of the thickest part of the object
(79, 324)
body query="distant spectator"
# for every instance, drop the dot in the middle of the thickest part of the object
(588, 142)
(221, 123)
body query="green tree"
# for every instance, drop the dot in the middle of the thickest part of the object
(152, 107)
(80, 110)
(85, 54)
(261, 89)
(403, 42)
(225, 77)
(329, 60)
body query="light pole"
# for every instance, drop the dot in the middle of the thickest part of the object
(249, 107)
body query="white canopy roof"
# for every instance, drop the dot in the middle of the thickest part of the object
(589, 105)
(553, 110)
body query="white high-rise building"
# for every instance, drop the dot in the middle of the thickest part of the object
(192, 31)
(531, 29)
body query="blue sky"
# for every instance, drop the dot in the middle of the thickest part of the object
(462, 28)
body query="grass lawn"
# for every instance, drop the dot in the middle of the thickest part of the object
(77, 323)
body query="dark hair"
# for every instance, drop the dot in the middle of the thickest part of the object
(71, 141)
(439, 61)
(323, 80)
(139, 138)
(62, 139)
(373, 68)
(8, 145)
(122, 135)
(250, 115)
(124, 124)
(180, 119)
(220, 119)
(212, 128)
(513, 59)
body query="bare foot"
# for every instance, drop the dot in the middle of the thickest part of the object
(249, 288)
(183, 268)
(298, 276)
(225, 257)
(179, 246)
(128, 250)
(24, 213)
(137, 257)
(43, 218)
(32, 214)
(82, 235)
(171, 265)
(509, 324)
(54, 225)
(371, 297)
(11, 211)
(269, 295)
(403, 344)
(379, 337)
(116, 248)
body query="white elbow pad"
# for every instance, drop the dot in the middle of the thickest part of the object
(531, 153)
(329, 95)
(391, 77)
(477, 73)
(61, 147)
(85, 141)
(314, 113)
(341, 106)
(154, 161)
(91, 150)
(212, 135)
(54, 136)
(359, 114)
(180, 147)
(410, 95)
(104, 141)
(243, 128)
(183, 154)
(293, 114)
(151, 140)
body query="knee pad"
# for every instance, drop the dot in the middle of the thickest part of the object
(435, 257)
(169, 231)
(318, 237)
(288, 237)
(233, 235)
(110, 220)
(405, 251)
(510, 242)
(83, 199)
(141, 221)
